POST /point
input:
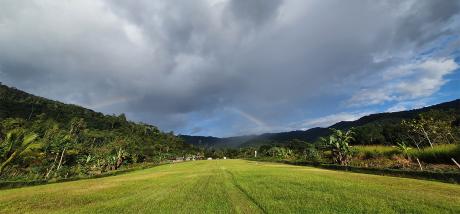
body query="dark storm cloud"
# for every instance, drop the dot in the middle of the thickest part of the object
(256, 12)
(423, 20)
(244, 66)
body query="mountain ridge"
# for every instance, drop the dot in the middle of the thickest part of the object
(313, 134)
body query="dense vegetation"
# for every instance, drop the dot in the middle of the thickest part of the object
(236, 186)
(44, 139)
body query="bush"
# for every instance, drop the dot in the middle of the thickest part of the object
(312, 154)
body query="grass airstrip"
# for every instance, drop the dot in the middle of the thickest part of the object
(235, 186)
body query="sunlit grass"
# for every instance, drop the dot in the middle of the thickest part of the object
(438, 154)
(372, 151)
(236, 186)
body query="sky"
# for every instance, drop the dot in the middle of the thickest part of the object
(234, 67)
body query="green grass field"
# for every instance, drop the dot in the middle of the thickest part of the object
(235, 186)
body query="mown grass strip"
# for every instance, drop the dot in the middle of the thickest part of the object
(237, 185)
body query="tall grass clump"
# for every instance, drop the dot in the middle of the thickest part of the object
(437, 154)
(375, 151)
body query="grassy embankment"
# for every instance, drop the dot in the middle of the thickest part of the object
(236, 186)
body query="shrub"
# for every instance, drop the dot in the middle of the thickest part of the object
(312, 154)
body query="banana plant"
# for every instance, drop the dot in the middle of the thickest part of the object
(16, 143)
(338, 143)
(404, 149)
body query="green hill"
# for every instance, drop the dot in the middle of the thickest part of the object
(42, 139)
(15, 103)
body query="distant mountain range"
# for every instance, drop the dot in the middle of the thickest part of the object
(313, 134)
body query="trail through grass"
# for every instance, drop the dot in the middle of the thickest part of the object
(236, 186)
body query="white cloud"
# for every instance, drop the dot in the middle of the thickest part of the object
(405, 82)
(396, 108)
(134, 34)
(428, 77)
(407, 105)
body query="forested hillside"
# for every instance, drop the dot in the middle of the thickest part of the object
(41, 138)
